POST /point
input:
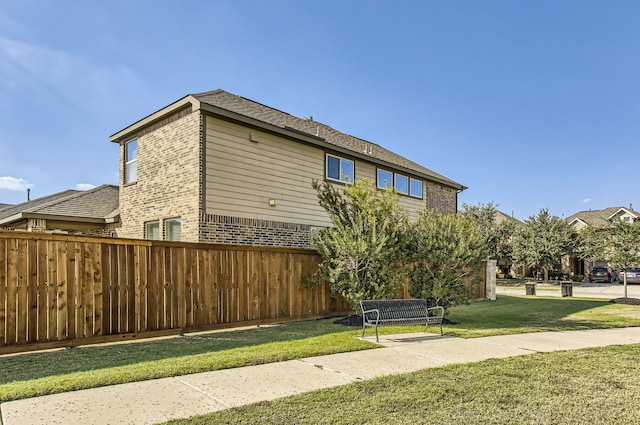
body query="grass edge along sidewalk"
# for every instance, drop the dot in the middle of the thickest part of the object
(591, 385)
(33, 374)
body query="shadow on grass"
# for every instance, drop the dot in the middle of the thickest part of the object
(87, 358)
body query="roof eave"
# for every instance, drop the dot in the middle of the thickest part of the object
(156, 116)
(311, 139)
(54, 217)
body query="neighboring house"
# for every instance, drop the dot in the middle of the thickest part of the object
(600, 218)
(597, 218)
(90, 212)
(219, 168)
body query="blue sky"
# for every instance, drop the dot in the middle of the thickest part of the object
(530, 104)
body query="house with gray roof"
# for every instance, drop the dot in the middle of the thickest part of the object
(596, 218)
(600, 218)
(220, 168)
(90, 212)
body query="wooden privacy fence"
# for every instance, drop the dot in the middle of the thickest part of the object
(59, 289)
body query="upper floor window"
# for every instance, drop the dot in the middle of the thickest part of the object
(398, 182)
(415, 188)
(402, 184)
(385, 179)
(172, 229)
(340, 169)
(131, 161)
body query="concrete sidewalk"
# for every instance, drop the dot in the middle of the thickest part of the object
(159, 400)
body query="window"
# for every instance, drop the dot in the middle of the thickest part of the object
(131, 161)
(415, 188)
(340, 169)
(152, 230)
(385, 179)
(402, 184)
(172, 229)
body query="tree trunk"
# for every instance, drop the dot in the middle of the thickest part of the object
(546, 274)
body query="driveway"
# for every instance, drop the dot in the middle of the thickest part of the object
(587, 290)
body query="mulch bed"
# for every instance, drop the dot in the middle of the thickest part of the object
(631, 301)
(355, 320)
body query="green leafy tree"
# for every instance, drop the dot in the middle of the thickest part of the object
(623, 246)
(591, 243)
(363, 250)
(444, 249)
(496, 236)
(543, 241)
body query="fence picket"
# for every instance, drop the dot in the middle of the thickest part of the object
(57, 288)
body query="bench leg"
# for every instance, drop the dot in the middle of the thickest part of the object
(377, 339)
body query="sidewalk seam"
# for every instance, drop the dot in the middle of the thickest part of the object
(228, 406)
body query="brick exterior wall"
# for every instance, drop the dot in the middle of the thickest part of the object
(245, 231)
(170, 169)
(443, 199)
(168, 179)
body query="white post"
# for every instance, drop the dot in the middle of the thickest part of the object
(491, 280)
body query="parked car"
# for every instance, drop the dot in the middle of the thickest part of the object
(633, 275)
(600, 274)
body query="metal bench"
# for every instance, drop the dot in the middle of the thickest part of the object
(399, 312)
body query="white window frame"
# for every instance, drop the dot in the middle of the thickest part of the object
(168, 233)
(130, 165)
(147, 225)
(349, 179)
(381, 182)
(395, 184)
(411, 180)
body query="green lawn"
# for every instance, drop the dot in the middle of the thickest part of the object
(33, 374)
(590, 386)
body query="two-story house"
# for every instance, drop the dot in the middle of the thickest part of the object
(597, 218)
(219, 168)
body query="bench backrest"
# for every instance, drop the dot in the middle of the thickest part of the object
(395, 309)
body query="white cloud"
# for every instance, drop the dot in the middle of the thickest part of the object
(84, 186)
(586, 200)
(14, 183)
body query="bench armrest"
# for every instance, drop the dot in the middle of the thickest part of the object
(376, 311)
(438, 308)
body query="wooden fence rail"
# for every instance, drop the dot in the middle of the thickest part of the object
(65, 290)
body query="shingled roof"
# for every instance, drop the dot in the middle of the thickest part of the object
(375, 153)
(598, 217)
(98, 203)
(253, 114)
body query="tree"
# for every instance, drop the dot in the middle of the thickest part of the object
(496, 236)
(591, 243)
(444, 250)
(362, 251)
(623, 246)
(543, 241)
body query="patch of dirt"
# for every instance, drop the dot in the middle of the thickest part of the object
(355, 320)
(631, 301)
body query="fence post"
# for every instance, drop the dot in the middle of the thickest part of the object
(491, 280)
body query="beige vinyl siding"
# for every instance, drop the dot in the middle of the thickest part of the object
(411, 204)
(242, 175)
